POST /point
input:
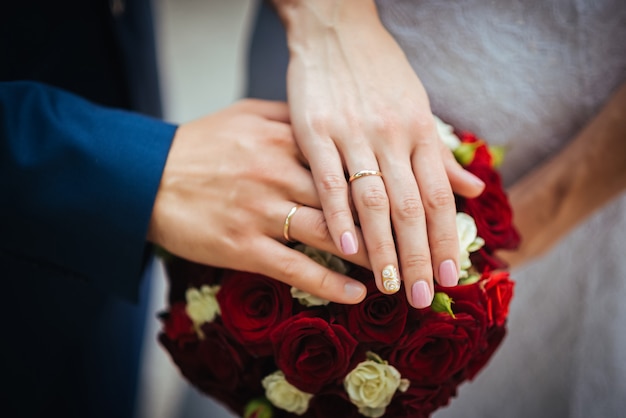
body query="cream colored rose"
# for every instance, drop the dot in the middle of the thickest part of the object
(284, 395)
(307, 299)
(469, 241)
(446, 133)
(202, 305)
(324, 258)
(371, 386)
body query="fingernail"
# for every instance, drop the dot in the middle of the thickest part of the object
(448, 274)
(476, 180)
(348, 243)
(391, 279)
(353, 291)
(421, 295)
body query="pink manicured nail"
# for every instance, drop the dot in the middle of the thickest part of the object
(422, 297)
(477, 181)
(353, 291)
(448, 274)
(348, 243)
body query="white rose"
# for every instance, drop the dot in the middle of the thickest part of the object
(324, 258)
(307, 299)
(202, 305)
(446, 133)
(284, 395)
(371, 386)
(469, 241)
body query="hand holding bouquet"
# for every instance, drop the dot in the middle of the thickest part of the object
(265, 349)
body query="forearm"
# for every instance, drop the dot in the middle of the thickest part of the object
(77, 184)
(583, 177)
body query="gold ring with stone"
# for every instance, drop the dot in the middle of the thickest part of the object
(364, 173)
(288, 222)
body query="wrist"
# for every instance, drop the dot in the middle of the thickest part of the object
(306, 21)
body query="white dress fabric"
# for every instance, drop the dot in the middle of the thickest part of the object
(529, 75)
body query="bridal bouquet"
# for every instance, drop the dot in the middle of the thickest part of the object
(266, 349)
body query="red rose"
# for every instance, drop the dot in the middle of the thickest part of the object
(499, 291)
(491, 211)
(492, 340)
(331, 405)
(229, 364)
(192, 367)
(379, 318)
(252, 306)
(177, 324)
(312, 352)
(482, 155)
(420, 401)
(438, 349)
(183, 274)
(484, 260)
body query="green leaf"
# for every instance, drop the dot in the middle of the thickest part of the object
(497, 155)
(258, 408)
(465, 152)
(442, 303)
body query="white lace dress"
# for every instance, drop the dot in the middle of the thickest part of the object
(529, 75)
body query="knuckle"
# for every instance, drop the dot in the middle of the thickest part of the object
(320, 229)
(446, 242)
(290, 269)
(385, 247)
(417, 262)
(375, 198)
(333, 184)
(337, 214)
(386, 122)
(319, 122)
(440, 197)
(325, 283)
(410, 209)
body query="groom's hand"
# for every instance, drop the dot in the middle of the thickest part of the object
(230, 181)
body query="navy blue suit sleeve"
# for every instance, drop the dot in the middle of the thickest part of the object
(77, 186)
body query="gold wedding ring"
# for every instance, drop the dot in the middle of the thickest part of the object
(364, 173)
(288, 222)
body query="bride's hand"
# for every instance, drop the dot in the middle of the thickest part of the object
(229, 182)
(356, 104)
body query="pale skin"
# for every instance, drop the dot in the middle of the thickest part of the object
(356, 104)
(229, 181)
(591, 171)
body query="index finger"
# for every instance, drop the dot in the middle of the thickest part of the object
(296, 269)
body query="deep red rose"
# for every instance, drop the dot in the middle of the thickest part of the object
(184, 274)
(482, 155)
(252, 306)
(491, 211)
(312, 352)
(420, 401)
(192, 367)
(499, 291)
(438, 349)
(177, 324)
(484, 260)
(224, 358)
(492, 341)
(379, 317)
(470, 299)
(324, 406)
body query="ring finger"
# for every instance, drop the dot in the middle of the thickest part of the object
(371, 202)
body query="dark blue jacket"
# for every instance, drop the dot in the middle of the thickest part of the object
(78, 177)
